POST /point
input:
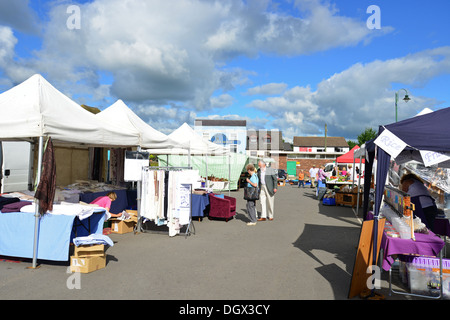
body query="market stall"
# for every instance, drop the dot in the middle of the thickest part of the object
(35, 110)
(121, 115)
(193, 145)
(424, 139)
(56, 230)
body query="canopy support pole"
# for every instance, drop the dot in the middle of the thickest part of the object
(36, 214)
(207, 181)
(359, 183)
(229, 174)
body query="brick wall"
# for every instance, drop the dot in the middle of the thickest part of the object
(280, 161)
(306, 164)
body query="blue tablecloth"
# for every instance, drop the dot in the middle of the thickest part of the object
(86, 227)
(117, 206)
(199, 205)
(55, 234)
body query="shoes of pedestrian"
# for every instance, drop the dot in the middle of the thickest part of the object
(270, 219)
(251, 223)
(262, 219)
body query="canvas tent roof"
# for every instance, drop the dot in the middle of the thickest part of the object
(349, 156)
(35, 108)
(187, 139)
(427, 133)
(120, 114)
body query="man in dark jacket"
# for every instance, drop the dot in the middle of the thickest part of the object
(268, 187)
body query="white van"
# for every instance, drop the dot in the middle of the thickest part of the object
(16, 166)
(329, 167)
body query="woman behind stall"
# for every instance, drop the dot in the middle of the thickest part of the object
(426, 208)
(253, 181)
(105, 202)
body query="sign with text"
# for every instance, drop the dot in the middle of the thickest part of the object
(431, 157)
(390, 143)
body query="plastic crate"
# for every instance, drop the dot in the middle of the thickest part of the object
(329, 201)
(423, 276)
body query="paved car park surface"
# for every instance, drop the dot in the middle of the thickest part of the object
(306, 253)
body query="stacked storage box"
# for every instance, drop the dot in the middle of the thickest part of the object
(88, 258)
(423, 276)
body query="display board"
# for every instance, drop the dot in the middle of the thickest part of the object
(400, 202)
(364, 257)
(134, 161)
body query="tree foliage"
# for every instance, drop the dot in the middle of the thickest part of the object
(366, 135)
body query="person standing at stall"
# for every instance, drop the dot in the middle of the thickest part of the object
(424, 203)
(252, 182)
(268, 185)
(321, 175)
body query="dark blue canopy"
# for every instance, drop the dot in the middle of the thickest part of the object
(426, 132)
(429, 132)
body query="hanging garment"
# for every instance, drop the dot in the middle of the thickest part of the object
(45, 191)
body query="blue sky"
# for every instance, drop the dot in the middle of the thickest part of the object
(289, 65)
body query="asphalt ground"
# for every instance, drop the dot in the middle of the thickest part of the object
(306, 253)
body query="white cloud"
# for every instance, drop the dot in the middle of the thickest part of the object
(14, 70)
(171, 58)
(164, 119)
(162, 52)
(267, 89)
(222, 101)
(358, 97)
(18, 15)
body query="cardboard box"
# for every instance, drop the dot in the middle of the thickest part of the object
(133, 215)
(122, 226)
(87, 264)
(97, 250)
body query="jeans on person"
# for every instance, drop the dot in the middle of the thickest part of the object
(301, 183)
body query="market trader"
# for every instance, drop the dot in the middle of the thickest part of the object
(421, 198)
(268, 185)
(105, 202)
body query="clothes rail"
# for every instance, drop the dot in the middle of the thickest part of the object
(190, 228)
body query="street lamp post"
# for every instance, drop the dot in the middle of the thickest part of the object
(406, 99)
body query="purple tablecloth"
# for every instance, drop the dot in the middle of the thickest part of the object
(425, 244)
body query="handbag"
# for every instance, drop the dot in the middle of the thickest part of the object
(251, 193)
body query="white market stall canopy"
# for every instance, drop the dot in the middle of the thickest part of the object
(192, 143)
(121, 115)
(35, 108)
